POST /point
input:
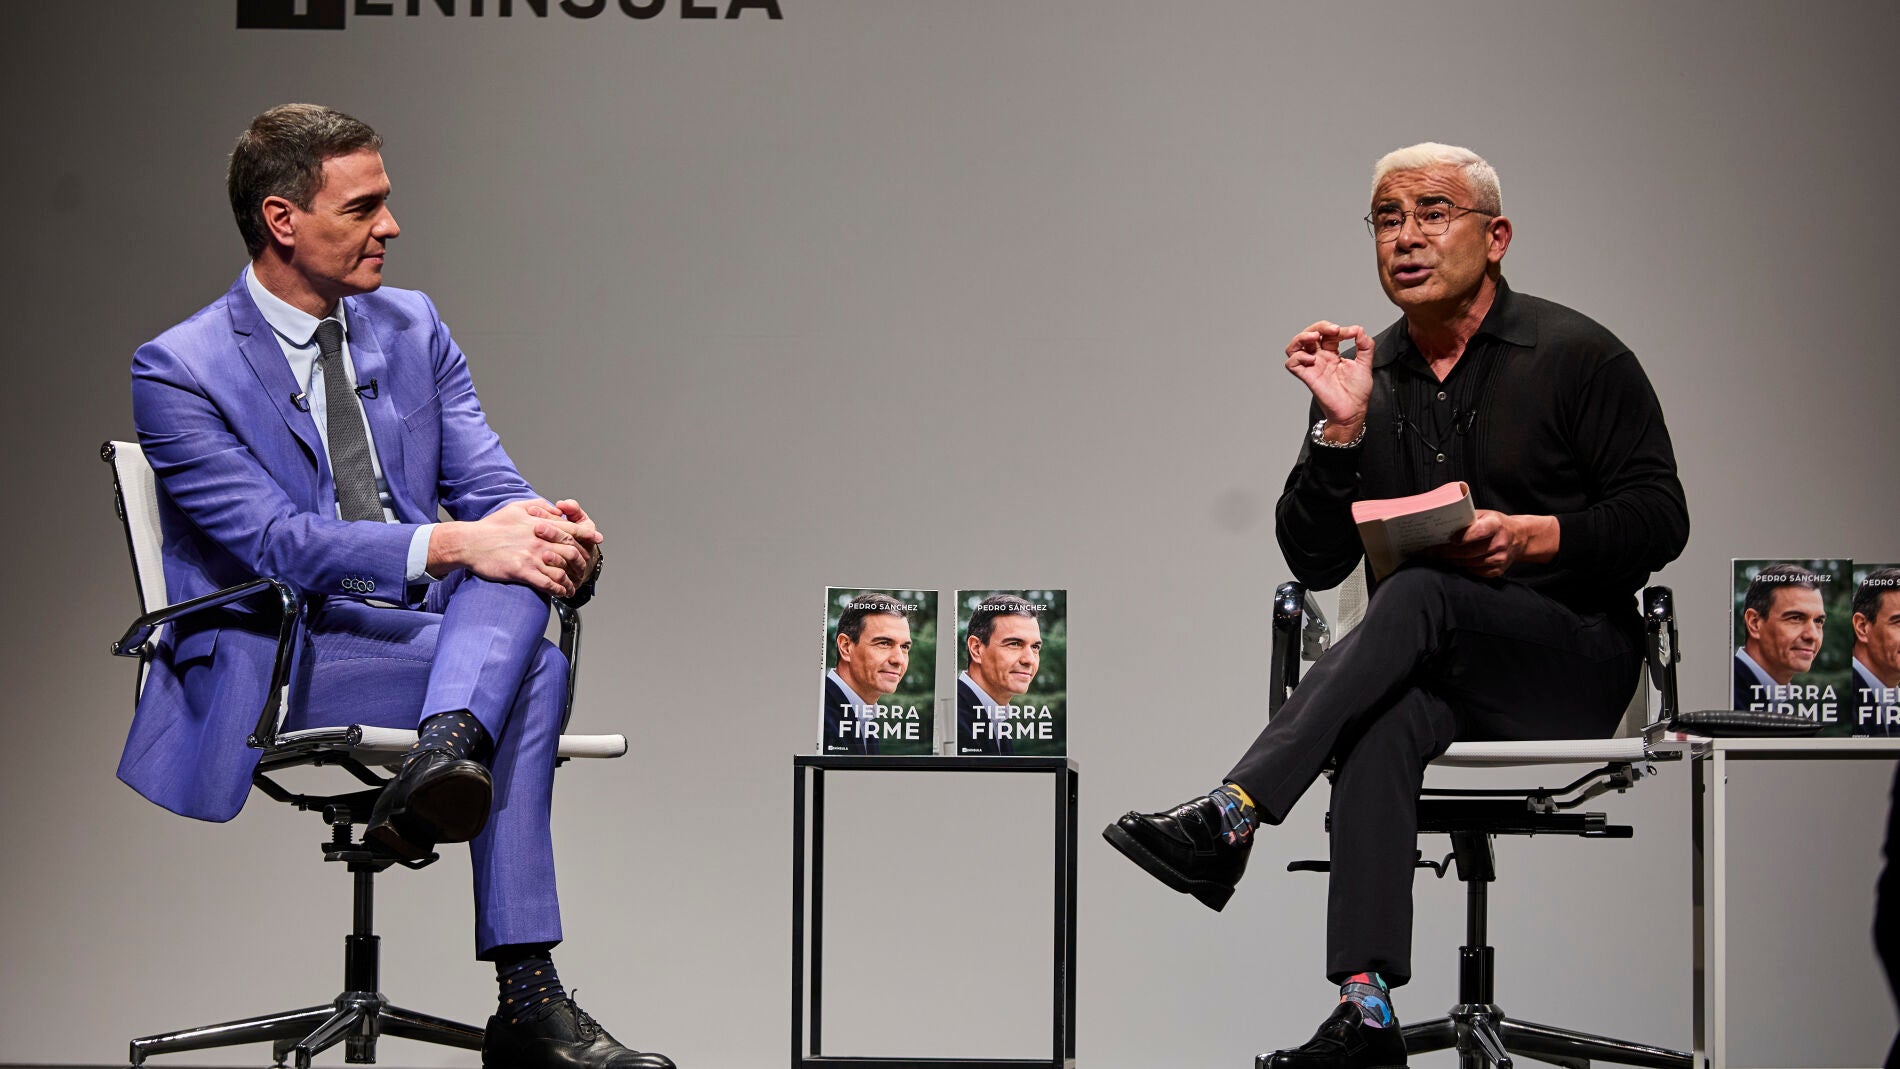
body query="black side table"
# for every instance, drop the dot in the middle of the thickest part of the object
(808, 780)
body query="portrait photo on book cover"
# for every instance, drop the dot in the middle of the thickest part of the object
(1012, 673)
(880, 672)
(1875, 688)
(1793, 640)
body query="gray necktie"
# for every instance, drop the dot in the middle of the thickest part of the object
(349, 443)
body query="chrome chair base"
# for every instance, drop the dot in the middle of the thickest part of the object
(1484, 1037)
(356, 1018)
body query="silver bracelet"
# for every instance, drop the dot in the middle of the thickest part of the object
(1319, 437)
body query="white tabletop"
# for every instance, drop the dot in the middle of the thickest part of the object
(1803, 746)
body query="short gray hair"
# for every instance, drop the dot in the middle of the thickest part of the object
(1482, 177)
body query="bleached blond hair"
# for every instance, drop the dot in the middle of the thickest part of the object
(1481, 176)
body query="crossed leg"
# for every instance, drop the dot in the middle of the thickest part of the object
(1440, 657)
(476, 646)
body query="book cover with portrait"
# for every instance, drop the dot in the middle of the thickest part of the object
(1792, 639)
(1012, 689)
(1874, 685)
(880, 672)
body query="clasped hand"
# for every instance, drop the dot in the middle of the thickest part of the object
(550, 546)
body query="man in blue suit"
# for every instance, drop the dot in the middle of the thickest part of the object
(309, 425)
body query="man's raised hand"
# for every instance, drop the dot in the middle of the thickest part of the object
(1342, 387)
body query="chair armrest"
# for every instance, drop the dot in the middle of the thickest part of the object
(1661, 650)
(134, 642)
(137, 638)
(570, 616)
(1283, 666)
(1300, 632)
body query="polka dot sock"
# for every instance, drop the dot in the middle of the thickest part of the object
(1367, 991)
(458, 733)
(530, 988)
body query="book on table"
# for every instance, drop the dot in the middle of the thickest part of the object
(1792, 641)
(1874, 695)
(1012, 691)
(880, 672)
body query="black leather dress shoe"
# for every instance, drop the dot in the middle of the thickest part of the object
(1345, 1041)
(1184, 848)
(436, 798)
(565, 1039)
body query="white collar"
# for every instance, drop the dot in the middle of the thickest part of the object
(295, 325)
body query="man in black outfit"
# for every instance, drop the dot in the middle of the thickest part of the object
(1523, 627)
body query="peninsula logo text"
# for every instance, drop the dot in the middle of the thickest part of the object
(331, 14)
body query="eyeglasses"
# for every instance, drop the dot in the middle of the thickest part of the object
(1432, 219)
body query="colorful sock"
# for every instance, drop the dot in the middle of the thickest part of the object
(458, 733)
(530, 988)
(1238, 817)
(1367, 991)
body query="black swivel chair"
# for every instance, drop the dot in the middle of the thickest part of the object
(360, 1015)
(1477, 1028)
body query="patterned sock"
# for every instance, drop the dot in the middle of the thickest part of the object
(458, 733)
(1367, 991)
(1238, 817)
(530, 988)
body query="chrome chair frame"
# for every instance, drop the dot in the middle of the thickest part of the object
(360, 1014)
(1476, 1027)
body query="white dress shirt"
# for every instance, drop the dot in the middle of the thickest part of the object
(296, 332)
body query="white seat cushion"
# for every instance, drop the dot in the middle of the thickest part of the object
(386, 745)
(1557, 752)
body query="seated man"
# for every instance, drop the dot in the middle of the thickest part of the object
(307, 425)
(1523, 628)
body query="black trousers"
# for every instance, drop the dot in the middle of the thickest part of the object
(1440, 657)
(1887, 906)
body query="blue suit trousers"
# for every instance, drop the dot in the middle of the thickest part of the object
(476, 645)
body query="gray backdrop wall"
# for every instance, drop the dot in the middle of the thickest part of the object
(945, 294)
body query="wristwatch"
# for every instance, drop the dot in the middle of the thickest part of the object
(584, 593)
(1319, 437)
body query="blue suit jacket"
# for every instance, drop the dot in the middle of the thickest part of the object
(246, 491)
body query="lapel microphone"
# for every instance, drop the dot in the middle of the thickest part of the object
(301, 401)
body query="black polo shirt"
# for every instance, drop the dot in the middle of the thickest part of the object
(1546, 413)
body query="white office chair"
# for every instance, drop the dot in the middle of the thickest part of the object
(360, 1014)
(1476, 1027)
